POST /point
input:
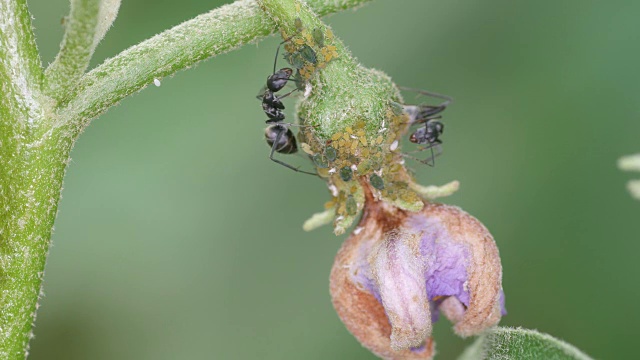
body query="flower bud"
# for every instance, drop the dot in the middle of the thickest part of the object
(391, 280)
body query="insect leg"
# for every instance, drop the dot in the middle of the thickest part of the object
(273, 150)
(448, 99)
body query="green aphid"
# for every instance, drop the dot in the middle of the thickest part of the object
(298, 23)
(320, 161)
(364, 166)
(308, 54)
(397, 108)
(330, 153)
(299, 82)
(318, 37)
(353, 159)
(346, 173)
(295, 59)
(376, 181)
(375, 164)
(351, 206)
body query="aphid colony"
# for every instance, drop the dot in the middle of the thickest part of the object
(354, 149)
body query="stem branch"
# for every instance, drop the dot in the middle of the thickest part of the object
(216, 32)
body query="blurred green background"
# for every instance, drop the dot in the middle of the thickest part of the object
(177, 238)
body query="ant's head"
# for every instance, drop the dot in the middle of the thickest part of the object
(277, 80)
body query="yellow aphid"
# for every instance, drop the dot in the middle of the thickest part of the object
(363, 140)
(331, 48)
(299, 41)
(342, 142)
(346, 137)
(360, 132)
(354, 144)
(329, 204)
(349, 130)
(329, 34)
(307, 37)
(336, 136)
(323, 172)
(379, 140)
(310, 69)
(306, 148)
(354, 189)
(327, 57)
(298, 7)
(365, 152)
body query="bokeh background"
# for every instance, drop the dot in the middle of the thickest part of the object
(177, 238)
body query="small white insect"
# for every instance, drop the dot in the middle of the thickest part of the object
(394, 145)
(156, 82)
(358, 230)
(382, 128)
(307, 90)
(354, 167)
(332, 171)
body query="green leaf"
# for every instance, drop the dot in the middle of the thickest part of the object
(521, 344)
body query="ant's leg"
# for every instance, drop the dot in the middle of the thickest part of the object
(448, 99)
(422, 121)
(273, 150)
(287, 94)
(431, 161)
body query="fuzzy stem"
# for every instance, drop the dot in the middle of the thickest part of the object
(32, 166)
(86, 25)
(37, 127)
(219, 31)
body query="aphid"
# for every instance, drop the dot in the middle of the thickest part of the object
(318, 37)
(277, 134)
(428, 134)
(308, 54)
(346, 173)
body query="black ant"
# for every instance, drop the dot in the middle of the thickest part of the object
(430, 133)
(278, 134)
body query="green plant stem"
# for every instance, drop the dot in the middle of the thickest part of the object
(219, 31)
(41, 116)
(86, 25)
(32, 165)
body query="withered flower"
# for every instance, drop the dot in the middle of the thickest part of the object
(391, 278)
(408, 259)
